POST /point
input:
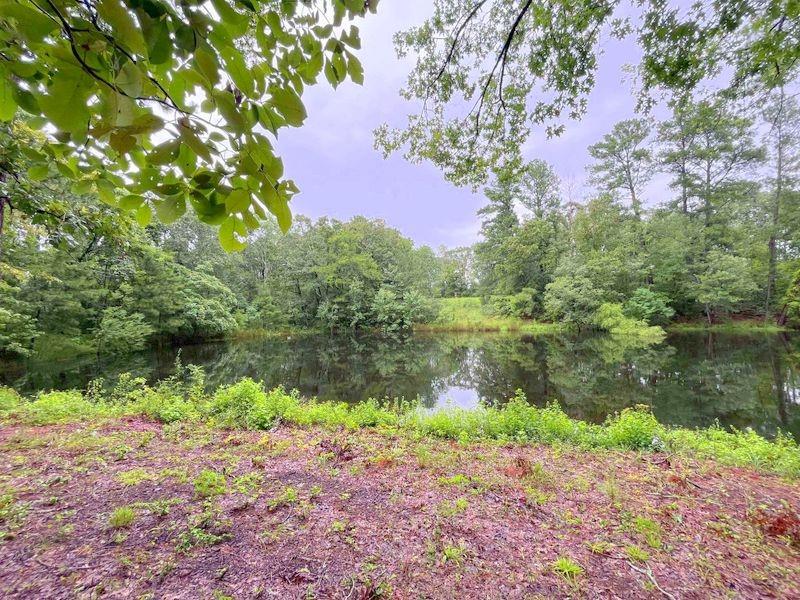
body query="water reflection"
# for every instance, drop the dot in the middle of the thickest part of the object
(690, 379)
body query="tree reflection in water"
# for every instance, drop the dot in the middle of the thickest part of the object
(692, 379)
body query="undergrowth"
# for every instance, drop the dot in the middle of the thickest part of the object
(247, 405)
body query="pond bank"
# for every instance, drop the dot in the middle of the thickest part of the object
(133, 507)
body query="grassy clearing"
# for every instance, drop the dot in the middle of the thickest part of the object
(247, 405)
(468, 314)
(736, 326)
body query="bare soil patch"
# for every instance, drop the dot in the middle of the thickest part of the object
(360, 514)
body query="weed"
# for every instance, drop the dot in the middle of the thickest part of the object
(567, 569)
(197, 536)
(122, 516)
(249, 483)
(451, 509)
(287, 497)
(457, 479)
(454, 553)
(637, 554)
(135, 476)
(649, 530)
(209, 483)
(338, 526)
(12, 514)
(599, 547)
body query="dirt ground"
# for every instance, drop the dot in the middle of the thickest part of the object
(133, 509)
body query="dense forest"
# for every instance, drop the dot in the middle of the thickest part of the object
(87, 276)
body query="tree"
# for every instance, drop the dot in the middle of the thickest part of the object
(155, 104)
(722, 281)
(488, 72)
(572, 296)
(623, 161)
(709, 149)
(783, 115)
(120, 332)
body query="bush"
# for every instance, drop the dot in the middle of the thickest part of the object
(61, 407)
(634, 428)
(232, 405)
(610, 317)
(647, 305)
(9, 400)
(165, 407)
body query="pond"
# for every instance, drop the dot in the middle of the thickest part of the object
(691, 379)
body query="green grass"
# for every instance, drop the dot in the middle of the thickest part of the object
(737, 326)
(468, 314)
(247, 405)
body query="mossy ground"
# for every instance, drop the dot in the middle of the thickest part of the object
(337, 513)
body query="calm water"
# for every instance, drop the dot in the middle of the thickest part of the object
(690, 379)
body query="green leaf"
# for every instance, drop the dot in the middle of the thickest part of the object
(227, 234)
(355, 70)
(131, 202)
(65, 103)
(238, 200)
(288, 104)
(144, 215)
(277, 205)
(207, 64)
(195, 143)
(170, 210)
(237, 69)
(156, 35)
(8, 107)
(38, 172)
(122, 142)
(164, 153)
(126, 30)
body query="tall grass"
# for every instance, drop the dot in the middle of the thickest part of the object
(246, 404)
(468, 314)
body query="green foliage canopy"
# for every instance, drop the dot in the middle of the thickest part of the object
(156, 106)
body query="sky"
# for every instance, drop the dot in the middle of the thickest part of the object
(340, 174)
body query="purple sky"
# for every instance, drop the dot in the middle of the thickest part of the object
(332, 159)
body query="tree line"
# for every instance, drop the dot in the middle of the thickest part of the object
(724, 240)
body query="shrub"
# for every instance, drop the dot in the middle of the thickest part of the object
(9, 400)
(121, 517)
(634, 428)
(209, 483)
(274, 405)
(232, 405)
(60, 407)
(647, 305)
(165, 407)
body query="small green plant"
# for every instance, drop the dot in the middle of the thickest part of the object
(599, 547)
(649, 530)
(637, 554)
(122, 516)
(287, 497)
(197, 536)
(451, 509)
(249, 483)
(135, 476)
(454, 553)
(457, 479)
(338, 526)
(209, 483)
(567, 569)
